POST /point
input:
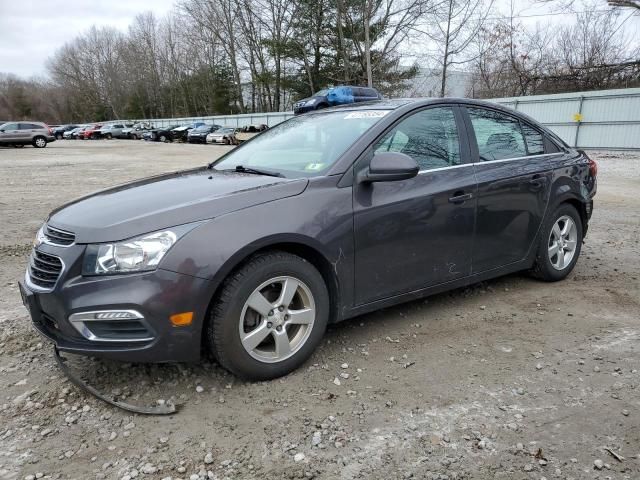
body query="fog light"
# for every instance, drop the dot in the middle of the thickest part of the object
(181, 319)
(112, 326)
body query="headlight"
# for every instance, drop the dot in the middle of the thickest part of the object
(140, 254)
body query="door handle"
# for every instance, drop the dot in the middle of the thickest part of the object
(460, 197)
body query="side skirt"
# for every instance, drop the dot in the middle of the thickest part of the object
(435, 289)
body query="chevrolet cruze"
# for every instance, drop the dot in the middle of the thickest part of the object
(324, 217)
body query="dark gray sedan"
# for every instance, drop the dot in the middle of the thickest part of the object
(324, 217)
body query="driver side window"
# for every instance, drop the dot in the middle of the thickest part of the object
(429, 136)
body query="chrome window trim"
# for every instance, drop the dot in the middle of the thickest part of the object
(78, 321)
(480, 162)
(450, 167)
(37, 288)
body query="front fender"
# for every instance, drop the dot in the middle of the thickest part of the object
(319, 219)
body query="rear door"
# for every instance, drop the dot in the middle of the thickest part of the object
(29, 130)
(416, 233)
(514, 178)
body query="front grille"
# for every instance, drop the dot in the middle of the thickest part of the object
(58, 237)
(44, 269)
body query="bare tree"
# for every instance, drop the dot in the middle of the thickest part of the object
(453, 27)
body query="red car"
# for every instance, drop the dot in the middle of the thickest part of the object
(90, 132)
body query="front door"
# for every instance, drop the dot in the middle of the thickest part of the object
(10, 132)
(514, 179)
(416, 233)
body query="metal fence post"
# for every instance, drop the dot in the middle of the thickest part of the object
(575, 140)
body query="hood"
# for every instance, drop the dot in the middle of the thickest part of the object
(166, 201)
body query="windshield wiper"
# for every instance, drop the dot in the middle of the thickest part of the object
(257, 171)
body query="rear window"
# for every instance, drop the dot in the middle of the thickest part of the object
(533, 138)
(498, 135)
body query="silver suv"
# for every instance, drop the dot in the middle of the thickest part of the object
(19, 134)
(114, 130)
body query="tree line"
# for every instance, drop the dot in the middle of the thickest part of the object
(238, 56)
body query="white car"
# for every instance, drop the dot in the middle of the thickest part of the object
(225, 136)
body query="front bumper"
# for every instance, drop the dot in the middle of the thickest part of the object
(155, 295)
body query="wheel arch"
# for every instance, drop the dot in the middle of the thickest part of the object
(571, 198)
(299, 245)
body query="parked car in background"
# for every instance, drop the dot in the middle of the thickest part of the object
(59, 131)
(137, 130)
(19, 134)
(162, 134)
(224, 135)
(199, 134)
(322, 218)
(73, 134)
(180, 133)
(114, 130)
(91, 132)
(340, 95)
(249, 131)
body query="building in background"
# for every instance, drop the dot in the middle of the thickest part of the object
(427, 84)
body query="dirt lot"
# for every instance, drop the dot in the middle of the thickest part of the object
(510, 379)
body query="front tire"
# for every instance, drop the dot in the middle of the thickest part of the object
(559, 245)
(269, 317)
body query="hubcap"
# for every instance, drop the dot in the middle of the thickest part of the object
(277, 319)
(563, 241)
(40, 142)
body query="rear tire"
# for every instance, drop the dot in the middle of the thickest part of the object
(59, 136)
(559, 245)
(285, 327)
(163, 139)
(108, 136)
(39, 142)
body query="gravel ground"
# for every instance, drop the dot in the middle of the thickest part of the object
(508, 379)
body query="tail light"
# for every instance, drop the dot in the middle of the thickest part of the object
(593, 165)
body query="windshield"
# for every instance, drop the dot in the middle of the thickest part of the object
(303, 146)
(204, 128)
(321, 93)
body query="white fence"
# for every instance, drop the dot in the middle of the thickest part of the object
(605, 119)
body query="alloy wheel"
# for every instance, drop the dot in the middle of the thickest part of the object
(277, 319)
(563, 241)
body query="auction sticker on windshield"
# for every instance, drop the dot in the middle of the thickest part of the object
(367, 114)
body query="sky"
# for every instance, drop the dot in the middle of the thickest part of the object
(31, 30)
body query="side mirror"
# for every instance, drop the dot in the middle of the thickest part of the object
(389, 167)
